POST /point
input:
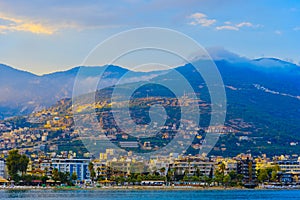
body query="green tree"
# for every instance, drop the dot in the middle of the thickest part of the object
(55, 175)
(12, 162)
(222, 168)
(274, 173)
(92, 171)
(91, 166)
(195, 178)
(74, 176)
(93, 175)
(162, 170)
(185, 178)
(207, 180)
(16, 163)
(219, 176)
(233, 175)
(44, 179)
(98, 171)
(63, 177)
(250, 165)
(23, 163)
(274, 176)
(198, 172)
(227, 180)
(27, 179)
(139, 178)
(240, 179)
(262, 175)
(46, 171)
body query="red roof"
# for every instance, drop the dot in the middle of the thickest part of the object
(37, 181)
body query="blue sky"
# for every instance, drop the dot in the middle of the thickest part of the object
(46, 36)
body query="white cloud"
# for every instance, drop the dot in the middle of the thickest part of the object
(278, 32)
(201, 19)
(227, 27)
(242, 24)
(236, 27)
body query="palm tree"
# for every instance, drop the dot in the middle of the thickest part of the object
(222, 168)
(92, 171)
(91, 166)
(250, 171)
(162, 171)
(46, 171)
(98, 171)
(55, 175)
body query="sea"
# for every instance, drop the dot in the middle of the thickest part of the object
(147, 194)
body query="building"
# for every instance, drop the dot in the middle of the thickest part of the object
(290, 170)
(125, 166)
(159, 163)
(189, 166)
(230, 165)
(290, 177)
(247, 167)
(46, 166)
(289, 166)
(101, 169)
(79, 166)
(2, 168)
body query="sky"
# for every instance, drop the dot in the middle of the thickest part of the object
(46, 36)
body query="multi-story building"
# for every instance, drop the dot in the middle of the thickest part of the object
(290, 170)
(125, 166)
(46, 166)
(160, 162)
(2, 168)
(230, 165)
(189, 166)
(289, 166)
(79, 166)
(246, 166)
(101, 169)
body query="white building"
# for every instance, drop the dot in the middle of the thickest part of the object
(289, 166)
(160, 162)
(191, 164)
(2, 168)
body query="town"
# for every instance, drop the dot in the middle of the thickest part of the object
(44, 150)
(108, 170)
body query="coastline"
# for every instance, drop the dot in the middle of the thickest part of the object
(136, 188)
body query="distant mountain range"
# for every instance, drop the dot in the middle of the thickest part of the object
(263, 97)
(23, 92)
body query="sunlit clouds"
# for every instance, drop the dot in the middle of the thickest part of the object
(13, 24)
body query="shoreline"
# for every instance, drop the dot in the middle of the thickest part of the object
(143, 188)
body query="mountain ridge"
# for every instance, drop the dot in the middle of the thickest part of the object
(263, 102)
(26, 92)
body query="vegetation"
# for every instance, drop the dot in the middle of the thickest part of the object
(16, 164)
(268, 174)
(92, 171)
(63, 178)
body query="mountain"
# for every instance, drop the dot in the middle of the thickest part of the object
(23, 92)
(263, 101)
(263, 97)
(16, 89)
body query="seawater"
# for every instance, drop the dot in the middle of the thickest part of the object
(147, 194)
